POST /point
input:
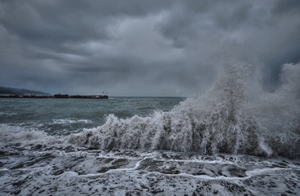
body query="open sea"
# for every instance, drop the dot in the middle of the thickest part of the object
(234, 139)
(65, 116)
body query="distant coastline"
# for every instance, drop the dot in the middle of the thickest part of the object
(6, 92)
(16, 91)
(57, 96)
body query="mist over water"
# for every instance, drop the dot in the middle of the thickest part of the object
(236, 116)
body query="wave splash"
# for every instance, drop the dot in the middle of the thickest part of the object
(235, 116)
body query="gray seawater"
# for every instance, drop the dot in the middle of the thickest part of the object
(235, 139)
(66, 116)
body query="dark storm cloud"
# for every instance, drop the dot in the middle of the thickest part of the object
(281, 7)
(139, 47)
(64, 21)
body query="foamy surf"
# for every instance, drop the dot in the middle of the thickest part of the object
(236, 116)
(69, 171)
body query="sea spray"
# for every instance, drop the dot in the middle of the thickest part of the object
(235, 116)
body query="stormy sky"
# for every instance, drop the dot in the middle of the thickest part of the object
(141, 47)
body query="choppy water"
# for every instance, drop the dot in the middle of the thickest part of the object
(66, 116)
(235, 139)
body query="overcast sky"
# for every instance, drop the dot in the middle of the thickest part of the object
(140, 47)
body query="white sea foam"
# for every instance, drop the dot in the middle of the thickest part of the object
(70, 121)
(5, 114)
(64, 172)
(23, 136)
(235, 116)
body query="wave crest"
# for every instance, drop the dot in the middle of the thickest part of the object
(235, 116)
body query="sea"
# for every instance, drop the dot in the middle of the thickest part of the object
(64, 116)
(236, 138)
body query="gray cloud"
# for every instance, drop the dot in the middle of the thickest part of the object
(283, 7)
(135, 47)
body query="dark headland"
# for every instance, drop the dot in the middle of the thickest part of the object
(6, 92)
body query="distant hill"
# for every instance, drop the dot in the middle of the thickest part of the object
(15, 91)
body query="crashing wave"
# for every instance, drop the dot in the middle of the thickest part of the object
(235, 116)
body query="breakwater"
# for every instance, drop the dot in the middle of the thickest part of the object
(58, 96)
